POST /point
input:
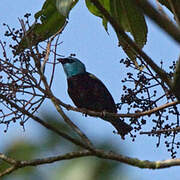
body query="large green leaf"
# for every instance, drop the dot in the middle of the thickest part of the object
(132, 20)
(129, 17)
(52, 17)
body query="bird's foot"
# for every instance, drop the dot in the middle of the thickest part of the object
(84, 112)
(103, 114)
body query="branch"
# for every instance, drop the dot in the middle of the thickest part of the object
(8, 171)
(40, 69)
(161, 73)
(56, 104)
(16, 164)
(48, 126)
(107, 114)
(174, 9)
(163, 22)
(136, 162)
(7, 159)
(48, 48)
(177, 129)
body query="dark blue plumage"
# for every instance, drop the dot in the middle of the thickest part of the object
(87, 91)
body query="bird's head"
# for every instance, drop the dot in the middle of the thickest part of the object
(72, 66)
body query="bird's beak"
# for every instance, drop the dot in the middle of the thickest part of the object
(62, 60)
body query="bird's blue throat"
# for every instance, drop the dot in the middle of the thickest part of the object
(74, 68)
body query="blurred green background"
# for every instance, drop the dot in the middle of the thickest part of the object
(85, 168)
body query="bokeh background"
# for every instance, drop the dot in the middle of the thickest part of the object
(85, 36)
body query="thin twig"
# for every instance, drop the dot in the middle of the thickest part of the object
(53, 99)
(7, 159)
(54, 62)
(60, 111)
(43, 123)
(161, 131)
(107, 114)
(8, 171)
(48, 90)
(48, 48)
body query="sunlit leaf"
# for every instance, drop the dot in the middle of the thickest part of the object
(96, 12)
(129, 17)
(50, 22)
(64, 6)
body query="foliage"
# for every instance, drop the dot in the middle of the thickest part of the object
(21, 149)
(128, 17)
(149, 92)
(143, 92)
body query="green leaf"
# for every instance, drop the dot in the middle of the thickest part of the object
(64, 6)
(96, 12)
(131, 19)
(50, 22)
(20, 149)
(98, 169)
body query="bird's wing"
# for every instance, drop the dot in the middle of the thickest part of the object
(87, 91)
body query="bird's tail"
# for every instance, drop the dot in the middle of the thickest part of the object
(121, 127)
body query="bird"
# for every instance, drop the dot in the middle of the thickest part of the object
(88, 92)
